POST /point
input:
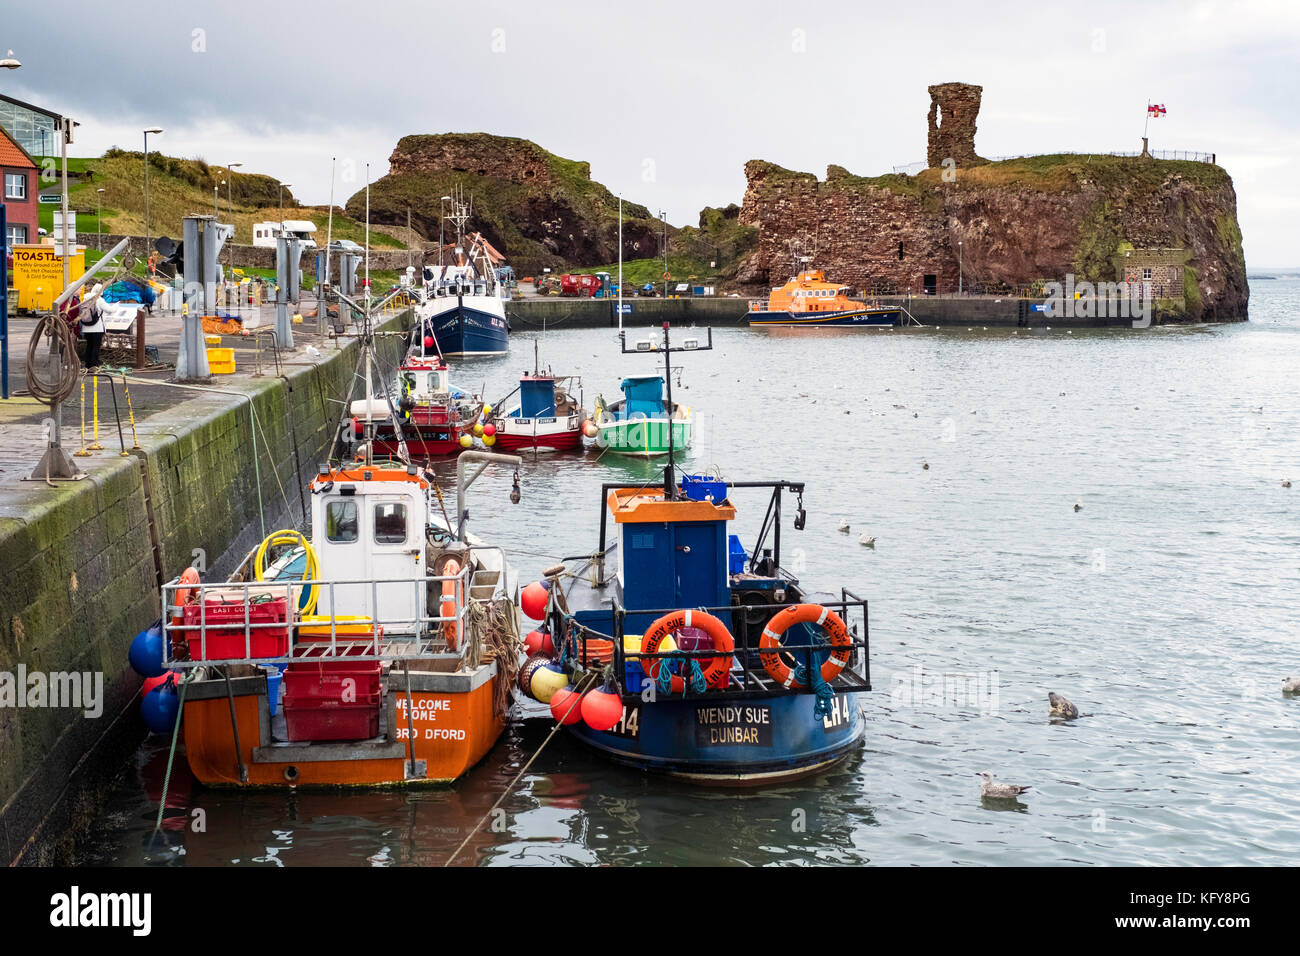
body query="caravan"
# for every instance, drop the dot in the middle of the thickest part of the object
(265, 233)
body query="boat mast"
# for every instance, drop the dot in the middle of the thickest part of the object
(690, 345)
(620, 265)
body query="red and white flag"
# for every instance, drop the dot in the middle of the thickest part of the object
(1155, 109)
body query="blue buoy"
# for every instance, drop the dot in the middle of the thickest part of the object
(146, 654)
(160, 708)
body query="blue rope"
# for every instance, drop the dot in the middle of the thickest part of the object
(669, 667)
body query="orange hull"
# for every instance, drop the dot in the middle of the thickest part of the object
(453, 732)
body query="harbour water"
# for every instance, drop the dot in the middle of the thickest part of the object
(1165, 607)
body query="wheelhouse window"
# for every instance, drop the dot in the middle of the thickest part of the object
(341, 521)
(15, 185)
(390, 523)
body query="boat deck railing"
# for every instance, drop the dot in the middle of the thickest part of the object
(397, 637)
(748, 676)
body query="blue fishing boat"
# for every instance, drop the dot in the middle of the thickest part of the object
(463, 303)
(718, 665)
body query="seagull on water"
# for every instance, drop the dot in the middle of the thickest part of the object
(1077, 506)
(1061, 706)
(867, 541)
(1291, 685)
(999, 791)
(843, 527)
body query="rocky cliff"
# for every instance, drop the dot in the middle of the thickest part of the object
(1000, 226)
(539, 209)
(1003, 225)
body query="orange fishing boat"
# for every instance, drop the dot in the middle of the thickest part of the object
(377, 652)
(376, 649)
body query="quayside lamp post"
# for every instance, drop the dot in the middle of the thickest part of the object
(147, 238)
(960, 267)
(99, 218)
(280, 202)
(230, 202)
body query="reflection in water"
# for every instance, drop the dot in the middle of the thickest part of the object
(1178, 572)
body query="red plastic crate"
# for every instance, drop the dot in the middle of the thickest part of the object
(227, 643)
(320, 683)
(344, 722)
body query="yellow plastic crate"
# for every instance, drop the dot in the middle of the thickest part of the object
(221, 361)
(318, 625)
(212, 339)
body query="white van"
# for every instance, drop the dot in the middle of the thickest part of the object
(265, 233)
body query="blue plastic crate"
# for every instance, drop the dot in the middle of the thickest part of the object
(700, 488)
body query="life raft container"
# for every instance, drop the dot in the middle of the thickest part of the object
(785, 619)
(716, 668)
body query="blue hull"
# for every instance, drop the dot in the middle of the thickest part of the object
(736, 742)
(464, 331)
(817, 320)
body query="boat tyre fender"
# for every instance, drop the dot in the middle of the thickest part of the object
(785, 619)
(715, 669)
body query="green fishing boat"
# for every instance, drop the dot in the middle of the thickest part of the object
(638, 424)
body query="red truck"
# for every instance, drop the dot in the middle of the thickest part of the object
(579, 285)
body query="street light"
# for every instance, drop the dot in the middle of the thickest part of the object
(960, 267)
(230, 201)
(280, 202)
(99, 219)
(155, 130)
(215, 213)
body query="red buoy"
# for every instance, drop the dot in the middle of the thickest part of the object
(533, 601)
(565, 706)
(602, 709)
(489, 429)
(539, 642)
(428, 341)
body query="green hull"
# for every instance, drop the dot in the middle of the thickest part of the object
(643, 438)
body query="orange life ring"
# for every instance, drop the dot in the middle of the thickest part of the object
(783, 620)
(450, 628)
(717, 667)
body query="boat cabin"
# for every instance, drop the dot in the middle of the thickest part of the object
(368, 524)
(643, 395)
(809, 292)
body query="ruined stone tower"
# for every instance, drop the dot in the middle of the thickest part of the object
(953, 109)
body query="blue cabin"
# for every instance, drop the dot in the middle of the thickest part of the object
(536, 397)
(643, 395)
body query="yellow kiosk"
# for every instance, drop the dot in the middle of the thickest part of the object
(38, 274)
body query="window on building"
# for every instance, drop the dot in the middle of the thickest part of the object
(1146, 273)
(341, 521)
(15, 185)
(900, 252)
(390, 523)
(14, 235)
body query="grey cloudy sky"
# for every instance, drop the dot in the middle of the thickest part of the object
(668, 100)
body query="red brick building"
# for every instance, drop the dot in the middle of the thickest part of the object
(19, 178)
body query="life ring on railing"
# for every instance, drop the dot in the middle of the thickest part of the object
(450, 631)
(785, 619)
(715, 671)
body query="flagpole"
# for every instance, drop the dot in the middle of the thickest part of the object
(1147, 123)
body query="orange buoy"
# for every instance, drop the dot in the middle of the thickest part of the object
(715, 670)
(448, 605)
(785, 619)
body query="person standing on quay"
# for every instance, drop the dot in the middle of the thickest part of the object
(92, 325)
